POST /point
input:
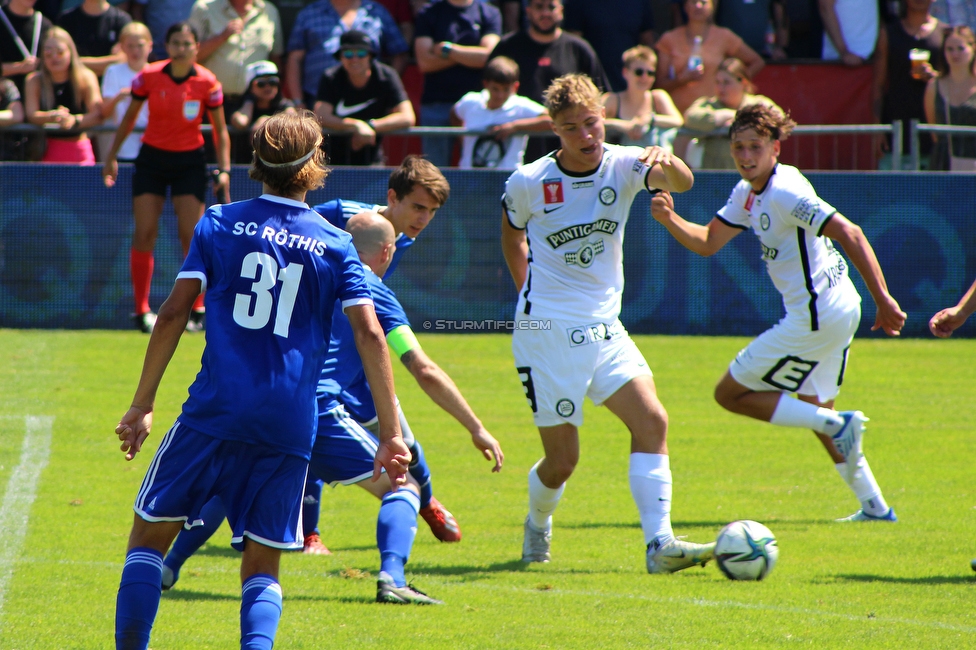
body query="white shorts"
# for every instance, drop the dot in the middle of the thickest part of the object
(560, 365)
(792, 359)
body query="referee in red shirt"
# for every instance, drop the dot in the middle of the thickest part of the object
(178, 90)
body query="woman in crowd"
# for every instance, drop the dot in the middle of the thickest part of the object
(172, 156)
(950, 99)
(734, 90)
(261, 100)
(640, 116)
(689, 56)
(63, 97)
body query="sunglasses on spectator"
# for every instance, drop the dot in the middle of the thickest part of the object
(267, 83)
(640, 72)
(358, 54)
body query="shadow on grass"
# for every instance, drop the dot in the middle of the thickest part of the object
(511, 566)
(188, 594)
(924, 580)
(689, 524)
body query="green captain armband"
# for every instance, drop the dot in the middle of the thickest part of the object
(402, 340)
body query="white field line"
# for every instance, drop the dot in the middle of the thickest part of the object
(20, 493)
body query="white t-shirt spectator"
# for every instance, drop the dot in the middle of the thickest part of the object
(118, 77)
(486, 151)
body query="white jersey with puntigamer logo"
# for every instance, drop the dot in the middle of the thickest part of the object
(574, 224)
(789, 218)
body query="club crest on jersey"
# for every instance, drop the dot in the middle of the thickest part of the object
(764, 221)
(565, 407)
(607, 195)
(585, 255)
(557, 239)
(552, 190)
(191, 108)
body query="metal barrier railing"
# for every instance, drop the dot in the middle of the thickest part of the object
(894, 129)
(916, 129)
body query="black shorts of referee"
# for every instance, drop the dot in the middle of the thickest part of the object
(184, 172)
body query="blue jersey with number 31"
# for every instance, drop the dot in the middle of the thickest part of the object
(272, 270)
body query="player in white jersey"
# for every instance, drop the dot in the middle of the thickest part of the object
(806, 352)
(562, 235)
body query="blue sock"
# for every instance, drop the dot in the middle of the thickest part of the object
(260, 611)
(189, 542)
(396, 527)
(138, 599)
(312, 505)
(420, 471)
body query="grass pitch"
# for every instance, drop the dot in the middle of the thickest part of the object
(906, 585)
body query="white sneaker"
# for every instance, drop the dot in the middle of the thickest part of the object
(535, 544)
(860, 515)
(677, 555)
(847, 441)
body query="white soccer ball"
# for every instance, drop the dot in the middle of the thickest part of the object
(746, 550)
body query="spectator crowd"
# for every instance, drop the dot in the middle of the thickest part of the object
(673, 71)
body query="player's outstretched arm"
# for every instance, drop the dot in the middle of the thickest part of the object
(441, 388)
(515, 248)
(392, 453)
(668, 172)
(849, 235)
(704, 240)
(135, 425)
(948, 320)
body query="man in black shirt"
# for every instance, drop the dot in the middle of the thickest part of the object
(544, 52)
(95, 26)
(362, 97)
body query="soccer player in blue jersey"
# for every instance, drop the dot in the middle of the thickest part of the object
(272, 271)
(417, 189)
(344, 449)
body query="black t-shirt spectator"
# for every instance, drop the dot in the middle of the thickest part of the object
(442, 21)
(540, 63)
(9, 52)
(612, 27)
(94, 35)
(382, 93)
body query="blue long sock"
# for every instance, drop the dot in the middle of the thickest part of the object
(420, 471)
(189, 542)
(260, 612)
(396, 527)
(138, 598)
(312, 505)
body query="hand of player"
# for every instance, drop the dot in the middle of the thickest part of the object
(110, 171)
(133, 429)
(655, 155)
(890, 317)
(944, 323)
(489, 447)
(662, 206)
(393, 456)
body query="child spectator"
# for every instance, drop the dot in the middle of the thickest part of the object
(262, 99)
(501, 112)
(136, 43)
(63, 96)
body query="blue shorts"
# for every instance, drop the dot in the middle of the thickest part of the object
(343, 451)
(261, 488)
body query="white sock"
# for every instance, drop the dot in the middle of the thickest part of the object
(650, 485)
(542, 500)
(865, 487)
(791, 412)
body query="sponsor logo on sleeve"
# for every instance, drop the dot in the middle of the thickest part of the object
(806, 209)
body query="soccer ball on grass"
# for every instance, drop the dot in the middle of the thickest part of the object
(746, 550)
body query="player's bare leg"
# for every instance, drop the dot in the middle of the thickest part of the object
(638, 407)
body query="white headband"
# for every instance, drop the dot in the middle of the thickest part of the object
(292, 163)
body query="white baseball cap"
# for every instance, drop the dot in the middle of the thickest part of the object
(259, 69)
